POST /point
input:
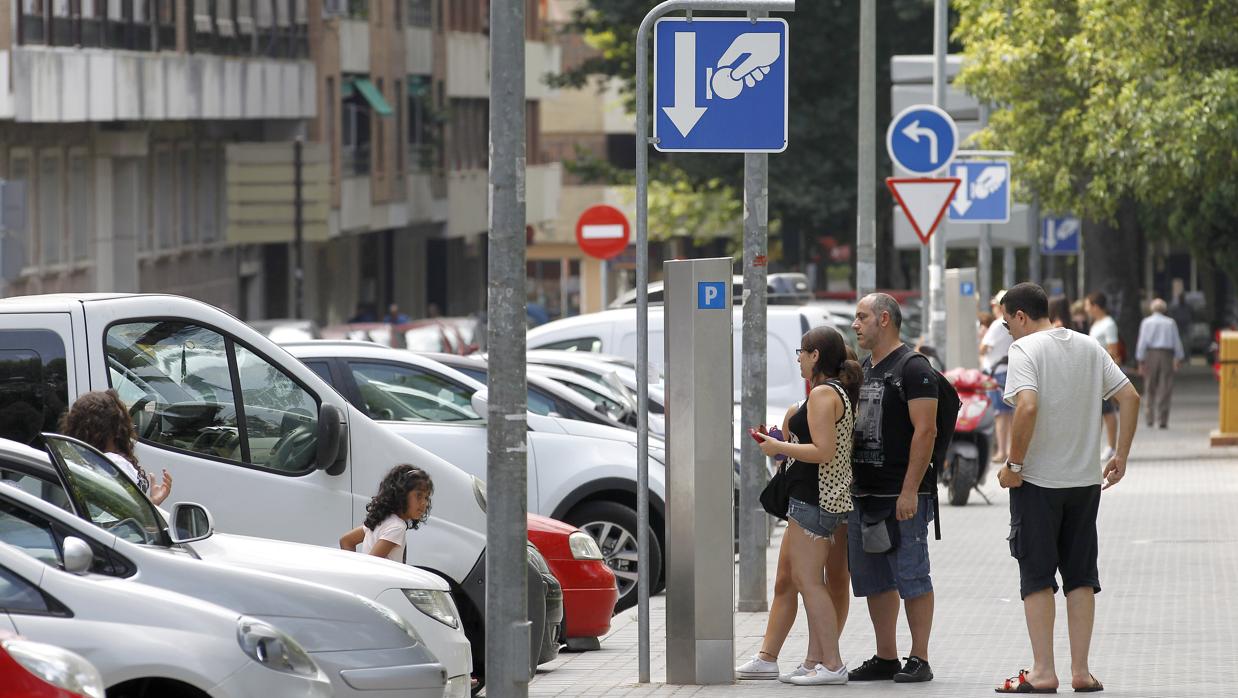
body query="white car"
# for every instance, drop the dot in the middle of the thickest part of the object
(147, 641)
(579, 472)
(421, 598)
(364, 648)
(614, 332)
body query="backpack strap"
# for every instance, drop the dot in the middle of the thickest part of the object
(897, 373)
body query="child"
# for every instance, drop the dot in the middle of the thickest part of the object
(402, 502)
(100, 419)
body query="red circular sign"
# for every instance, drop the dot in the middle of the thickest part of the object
(602, 231)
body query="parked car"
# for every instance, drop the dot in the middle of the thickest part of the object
(780, 289)
(554, 607)
(146, 641)
(606, 400)
(579, 472)
(35, 670)
(589, 591)
(449, 335)
(421, 598)
(227, 411)
(354, 640)
(287, 329)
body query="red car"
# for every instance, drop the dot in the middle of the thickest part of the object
(589, 591)
(34, 670)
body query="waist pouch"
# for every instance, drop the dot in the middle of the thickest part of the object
(879, 530)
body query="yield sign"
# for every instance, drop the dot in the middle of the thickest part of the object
(924, 200)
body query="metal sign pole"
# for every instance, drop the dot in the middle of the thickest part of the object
(507, 619)
(642, 284)
(866, 172)
(936, 315)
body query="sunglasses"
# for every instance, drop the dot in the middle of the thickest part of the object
(1006, 325)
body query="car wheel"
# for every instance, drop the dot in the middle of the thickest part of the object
(613, 526)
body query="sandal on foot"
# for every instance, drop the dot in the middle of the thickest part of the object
(1096, 686)
(1020, 684)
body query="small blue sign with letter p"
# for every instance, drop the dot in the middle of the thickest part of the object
(967, 288)
(711, 295)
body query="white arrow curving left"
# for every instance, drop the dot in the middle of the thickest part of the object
(914, 131)
(684, 113)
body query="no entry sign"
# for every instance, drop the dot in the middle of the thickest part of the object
(602, 231)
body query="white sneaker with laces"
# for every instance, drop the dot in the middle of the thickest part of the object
(799, 670)
(757, 668)
(821, 676)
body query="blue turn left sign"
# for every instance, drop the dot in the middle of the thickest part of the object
(711, 295)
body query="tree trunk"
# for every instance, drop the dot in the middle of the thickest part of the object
(1114, 254)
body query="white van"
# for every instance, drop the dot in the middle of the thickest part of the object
(243, 427)
(614, 332)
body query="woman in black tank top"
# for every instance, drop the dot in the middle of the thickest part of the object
(819, 469)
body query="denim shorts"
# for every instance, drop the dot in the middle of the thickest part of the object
(906, 568)
(996, 396)
(818, 522)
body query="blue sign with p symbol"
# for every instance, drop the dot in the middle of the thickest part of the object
(967, 288)
(711, 295)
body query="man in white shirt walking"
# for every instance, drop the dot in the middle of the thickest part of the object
(1105, 331)
(1160, 355)
(1055, 378)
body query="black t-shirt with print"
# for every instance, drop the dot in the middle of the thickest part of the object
(883, 427)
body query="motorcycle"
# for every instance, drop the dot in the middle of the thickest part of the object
(967, 461)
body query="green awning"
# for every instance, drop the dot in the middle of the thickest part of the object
(373, 96)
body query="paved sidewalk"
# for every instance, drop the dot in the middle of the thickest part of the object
(1167, 620)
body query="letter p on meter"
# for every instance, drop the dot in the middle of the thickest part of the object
(711, 295)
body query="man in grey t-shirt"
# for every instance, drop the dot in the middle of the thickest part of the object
(1054, 380)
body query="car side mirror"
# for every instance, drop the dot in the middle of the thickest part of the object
(332, 439)
(191, 522)
(480, 403)
(78, 557)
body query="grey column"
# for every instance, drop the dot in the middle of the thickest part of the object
(752, 518)
(866, 171)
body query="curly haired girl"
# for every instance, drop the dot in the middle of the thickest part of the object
(100, 419)
(402, 502)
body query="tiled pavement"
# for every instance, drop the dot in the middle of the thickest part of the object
(1167, 620)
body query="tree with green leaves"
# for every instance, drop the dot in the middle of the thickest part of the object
(1124, 112)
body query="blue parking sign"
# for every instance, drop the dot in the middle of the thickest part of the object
(720, 85)
(983, 195)
(711, 295)
(1060, 236)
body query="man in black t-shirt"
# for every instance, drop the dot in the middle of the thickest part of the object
(892, 489)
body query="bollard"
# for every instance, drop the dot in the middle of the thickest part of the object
(1227, 431)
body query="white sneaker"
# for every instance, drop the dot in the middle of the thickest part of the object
(822, 677)
(1106, 454)
(799, 670)
(757, 668)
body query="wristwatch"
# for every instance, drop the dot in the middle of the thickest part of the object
(1014, 467)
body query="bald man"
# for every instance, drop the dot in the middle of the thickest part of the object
(1160, 355)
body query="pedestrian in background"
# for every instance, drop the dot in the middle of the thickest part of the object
(1059, 312)
(1105, 331)
(1056, 377)
(818, 448)
(887, 533)
(1079, 316)
(1160, 354)
(402, 502)
(993, 350)
(99, 418)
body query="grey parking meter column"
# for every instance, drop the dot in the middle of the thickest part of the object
(753, 522)
(700, 587)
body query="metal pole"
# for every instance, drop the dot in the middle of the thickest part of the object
(508, 629)
(937, 253)
(298, 229)
(866, 172)
(984, 255)
(752, 521)
(1033, 244)
(642, 288)
(1008, 265)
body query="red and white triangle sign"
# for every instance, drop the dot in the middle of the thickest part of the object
(924, 200)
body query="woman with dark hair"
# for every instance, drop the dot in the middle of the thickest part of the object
(402, 502)
(818, 449)
(1059, 312)
(99, 418)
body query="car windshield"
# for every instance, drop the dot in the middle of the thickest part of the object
(111, 500)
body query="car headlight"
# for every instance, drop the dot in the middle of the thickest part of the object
(272, 648)
(458, 687)
(584, 547)
(436, 604)
(393, 617)
(479, 493)
(58, 667)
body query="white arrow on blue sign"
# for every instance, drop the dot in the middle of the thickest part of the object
(1060, 235)
(983, 195)
(720, 85)
(922, 139)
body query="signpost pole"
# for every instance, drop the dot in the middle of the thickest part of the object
(507, 647)
(936, 315)
(866, 172)
(984, 256)
(642, 286)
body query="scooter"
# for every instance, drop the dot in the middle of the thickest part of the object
(967, 461)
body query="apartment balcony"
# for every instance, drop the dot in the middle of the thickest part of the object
(465, 188)
(468, 66)
(260, 181)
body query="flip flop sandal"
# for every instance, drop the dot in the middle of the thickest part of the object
(1020, 684)
(1096, 687)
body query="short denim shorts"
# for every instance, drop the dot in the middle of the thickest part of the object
(818, 522)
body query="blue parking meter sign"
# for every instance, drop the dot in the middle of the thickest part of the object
(922, 139)
(983, 195)
(1060, 236)
(720, 85)
(967, 288)
(711, 295)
